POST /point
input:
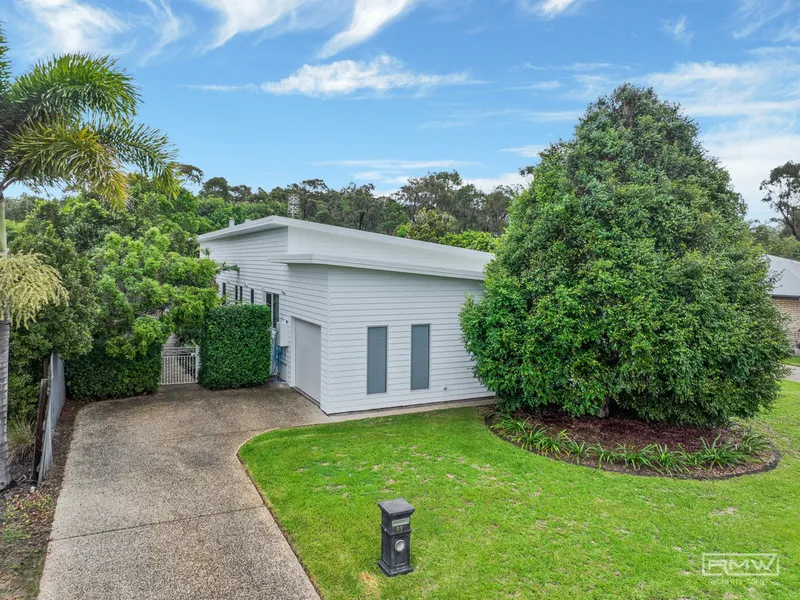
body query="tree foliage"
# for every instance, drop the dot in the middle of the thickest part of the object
(28, 284)
(628, 276)
(69, 120)
(782, 193)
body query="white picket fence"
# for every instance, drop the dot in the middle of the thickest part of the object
(179, 364)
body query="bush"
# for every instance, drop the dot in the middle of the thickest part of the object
(628, 276)
(98, 375)
(20, 437)
(235, 347)
(23, 396)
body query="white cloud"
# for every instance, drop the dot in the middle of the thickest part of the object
(70, 26)
(470, 117)
(531, 151)
(540, 86)
(390, 164)
(243, 16)
(65, 26)
(725, 90)
(749, 154)
(392, 173)
(487, 184)
(369, 17)
(678, 29)
(749, 113)
(169, 27)
(346, 76)
(752, 16)
(550, 9)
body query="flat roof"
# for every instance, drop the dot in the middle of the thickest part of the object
(409, 262)
(275, 222)
(315, 258)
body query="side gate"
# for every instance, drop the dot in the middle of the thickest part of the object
(179, 364)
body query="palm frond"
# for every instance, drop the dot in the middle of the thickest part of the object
(70, 85)
(145, 148)
(47, 155)
(5, 63)
(28, 285)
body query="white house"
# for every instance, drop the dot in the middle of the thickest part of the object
(364, 320)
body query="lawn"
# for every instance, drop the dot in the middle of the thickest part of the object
(792, 360)
(494, 521)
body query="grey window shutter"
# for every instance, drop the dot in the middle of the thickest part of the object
(376, 360)
(420, 357)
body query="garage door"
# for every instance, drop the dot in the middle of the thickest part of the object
(307, 348)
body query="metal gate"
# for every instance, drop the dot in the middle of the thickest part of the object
(179, 365)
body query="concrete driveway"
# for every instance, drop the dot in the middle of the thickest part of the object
(155, 503)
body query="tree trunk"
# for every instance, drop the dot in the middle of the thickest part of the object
(5, 330)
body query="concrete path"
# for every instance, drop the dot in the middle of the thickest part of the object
(794, 373)
(155, 503)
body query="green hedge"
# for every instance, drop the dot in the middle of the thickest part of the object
(235, 347)
(98, 376)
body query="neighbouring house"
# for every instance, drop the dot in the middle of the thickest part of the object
(786, 293)
(363, 320)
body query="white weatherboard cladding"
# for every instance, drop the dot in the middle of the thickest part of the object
(345, 300)
(363, 298)
(303, 289)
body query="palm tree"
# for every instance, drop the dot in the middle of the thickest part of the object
(68, 121)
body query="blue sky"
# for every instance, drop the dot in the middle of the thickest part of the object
(270, 92)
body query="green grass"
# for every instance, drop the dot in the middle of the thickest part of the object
(495, 521)
(792, 360)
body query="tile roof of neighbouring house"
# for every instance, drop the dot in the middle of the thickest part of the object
(788, 285)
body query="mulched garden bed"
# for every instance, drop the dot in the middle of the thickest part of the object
(613, 432)
(26, 515)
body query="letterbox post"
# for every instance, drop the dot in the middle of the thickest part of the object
(395, 537)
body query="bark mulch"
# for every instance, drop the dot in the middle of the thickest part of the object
(26, 516)
(624, 430)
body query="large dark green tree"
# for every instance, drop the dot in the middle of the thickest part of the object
(628, 278)
(69, 120)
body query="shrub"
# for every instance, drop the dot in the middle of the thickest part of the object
(98, 375)
(23, 395)
(20, 437)
(235, 347)
(628, 276)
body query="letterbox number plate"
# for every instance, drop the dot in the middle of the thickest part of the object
(400, 522)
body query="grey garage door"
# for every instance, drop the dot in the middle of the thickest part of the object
(308, 350)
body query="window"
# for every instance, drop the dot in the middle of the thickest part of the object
(237, 293)
(376, 360)
(252, 296)
(420, 357)
(273, 301)
(224, 290)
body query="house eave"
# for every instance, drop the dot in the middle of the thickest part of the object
(375, 265)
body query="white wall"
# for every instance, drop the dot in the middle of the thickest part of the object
(361, 298)
(303, 289)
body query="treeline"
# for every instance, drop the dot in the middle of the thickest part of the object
(781, 235)
(430, 207)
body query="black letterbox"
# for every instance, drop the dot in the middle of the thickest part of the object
(395, 537)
